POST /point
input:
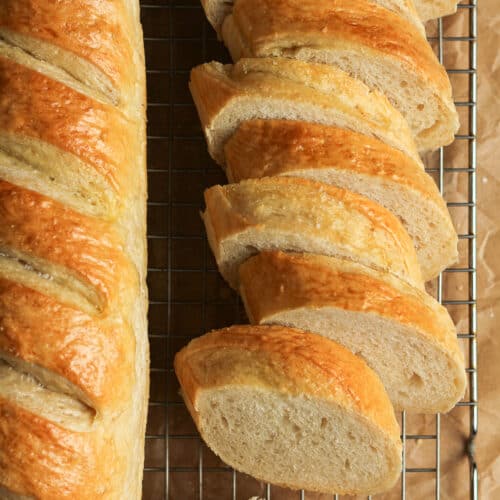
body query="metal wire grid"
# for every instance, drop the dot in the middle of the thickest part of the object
(187, 295)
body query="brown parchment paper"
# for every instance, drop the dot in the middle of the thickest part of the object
(488, 445)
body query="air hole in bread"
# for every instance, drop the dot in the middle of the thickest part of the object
(404, 84)
(225, 422)
(416, 380)
(324, 422)
(421, 107)
(347, 464)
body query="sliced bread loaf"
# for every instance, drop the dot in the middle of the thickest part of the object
(289, 89)
(406, 336)
(352, 161)
(299, 215)
(291, 408)
(369, 42)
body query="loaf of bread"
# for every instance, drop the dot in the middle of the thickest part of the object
(73, 336)
(369, 42)
(356, 162)
(291, 408)
(299, 215)
(282, 88)
(401, 332)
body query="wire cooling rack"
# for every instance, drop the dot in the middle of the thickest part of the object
(189, 298)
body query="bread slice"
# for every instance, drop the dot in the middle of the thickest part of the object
(299, 215)
(432, 9)
(289, 89)
(291, 408)
(369, 42)
(406, 336)
(217, 10)
(352, 161)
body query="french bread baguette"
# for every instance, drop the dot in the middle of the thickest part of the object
(73, 300)
(324, 420)
(353, 161)
(375, 45)
(406, 336)
(281, 88)
(299, 215)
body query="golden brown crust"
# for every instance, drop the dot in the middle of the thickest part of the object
(42, 460)
(217, 10)
(96, 356)
(285, 359)
(261, 148)
(96, 133)
(234, 208)
(263, 22)
(40, 227)
(95, 30)
(216, 87)
(274, 282)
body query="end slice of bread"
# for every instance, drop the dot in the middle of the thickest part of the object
(369, 42)
(291, 408)
(289, 89)
(299, 215)
(356, 162)
(406, 336)
(432, 9)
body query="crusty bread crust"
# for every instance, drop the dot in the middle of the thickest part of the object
(261, 148)
(92, 52)
(281, 88)
(274, 283)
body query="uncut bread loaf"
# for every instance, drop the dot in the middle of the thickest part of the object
(406, 336)
(281, 88)
(299, 215)
(356, 162)
(73, 335)
(369, 42)
(325, 421)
